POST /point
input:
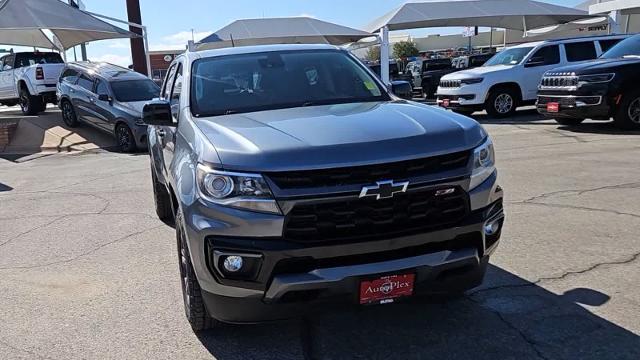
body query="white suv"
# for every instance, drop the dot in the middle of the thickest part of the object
(510, 78)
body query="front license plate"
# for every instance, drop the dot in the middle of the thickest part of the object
(445, 103)
(387, 288)
(553, 107)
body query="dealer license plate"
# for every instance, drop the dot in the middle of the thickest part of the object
(386, 289)
(445, 102)
(553, 107)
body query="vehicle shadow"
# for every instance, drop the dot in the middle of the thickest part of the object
(47, 133)
(598, 127)
(509, 318)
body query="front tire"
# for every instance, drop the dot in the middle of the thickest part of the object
(161, 199)
(569, 121)
(124, 139)
(30, 105)
(502, 102)
(628, 114)
(69, 114)
(194, 307)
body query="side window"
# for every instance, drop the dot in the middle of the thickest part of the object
(85, 82)
(177, 87)
(69, 76)
(548, 55)
(166, 87)
(605, 45)
(7, 64)
(101, 87)
(581, 51)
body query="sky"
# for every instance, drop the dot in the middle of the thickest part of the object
(170, 22)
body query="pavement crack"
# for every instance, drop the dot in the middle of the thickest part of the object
(579, 192)
(86, 253)
(574, 207)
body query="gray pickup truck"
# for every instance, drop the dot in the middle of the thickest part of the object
(294, 178)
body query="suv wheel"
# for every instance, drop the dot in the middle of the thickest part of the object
(194, 308)
(569, 121)
(30, 105)
(502, 102)
(161, 199)
(69, 114)
(628, 115)
(124, 138)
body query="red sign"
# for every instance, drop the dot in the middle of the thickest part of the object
(445, 102)
(553, 107)
(386, 288)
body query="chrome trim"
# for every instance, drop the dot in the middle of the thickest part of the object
(578, 103)
(365, 189)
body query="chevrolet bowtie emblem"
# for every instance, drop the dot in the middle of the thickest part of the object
(384, 189)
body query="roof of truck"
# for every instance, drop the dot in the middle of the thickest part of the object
(108, 71)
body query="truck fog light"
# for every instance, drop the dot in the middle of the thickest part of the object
(232, 263)
(491, 228)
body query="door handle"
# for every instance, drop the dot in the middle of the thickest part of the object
(161, 133)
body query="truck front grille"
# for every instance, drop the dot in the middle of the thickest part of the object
(368, 174)
(552, 80)
(450, 83)
(367, 218)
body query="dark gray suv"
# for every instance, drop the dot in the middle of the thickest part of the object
(108, 97)
(294, 178)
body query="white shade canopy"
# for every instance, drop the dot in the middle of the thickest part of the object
(22, 22)
(509, 14)
(292, 30)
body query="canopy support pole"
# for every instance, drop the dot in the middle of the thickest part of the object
(144, 35)
(384, 55)
(524, 26)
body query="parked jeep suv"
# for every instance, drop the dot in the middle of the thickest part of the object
(598, 90)
(294, 179)
(510, 79)
(109, 98)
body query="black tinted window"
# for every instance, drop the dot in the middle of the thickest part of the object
(177, 87)
(135, 90)
(168, 81)
(605, 45)
(277, 80)
(101, 87)
(28, 59)
(580, 51)
(69, 76)
(8, 60)
(547, 55)
(85, 82)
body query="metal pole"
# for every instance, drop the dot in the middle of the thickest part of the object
(137, 45)
(146, 50)
(524, 26)
(384, 55)
(490, 39)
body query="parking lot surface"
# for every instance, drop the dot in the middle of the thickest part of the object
(88, 272)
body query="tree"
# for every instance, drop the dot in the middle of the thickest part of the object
(373, 53)
(405, 49)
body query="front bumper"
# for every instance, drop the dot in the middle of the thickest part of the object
(595, 107)
(292, 276)
(473, 95)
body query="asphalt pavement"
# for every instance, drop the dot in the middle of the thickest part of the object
(88, 272)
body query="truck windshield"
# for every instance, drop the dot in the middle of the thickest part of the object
(135, 90)
(276, 80)
(629, 47)
(513, 56)
(28, 59)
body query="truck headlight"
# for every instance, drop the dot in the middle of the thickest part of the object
(237, 190)
(471, 81)
(595, 78)
(484, 163)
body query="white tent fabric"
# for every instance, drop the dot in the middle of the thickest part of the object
(22, 21)
(508, 14)
(569, 28)
(292, 30)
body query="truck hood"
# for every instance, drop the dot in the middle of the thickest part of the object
(597, 66)
(476, 72)
(328, 136)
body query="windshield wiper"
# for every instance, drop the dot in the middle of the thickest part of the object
(229, 112)
(308, 103)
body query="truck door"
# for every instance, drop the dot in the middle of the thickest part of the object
(7, 82)
(541, 61)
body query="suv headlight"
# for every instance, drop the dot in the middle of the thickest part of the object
(237, 190)
(471, 81)
(595, 78)
(484, 163)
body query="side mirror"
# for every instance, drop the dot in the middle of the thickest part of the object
(157, 112)
(104, 97)
(402, 89)
(7, 68)
(535, 61)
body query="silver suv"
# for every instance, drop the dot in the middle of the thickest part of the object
(295, 178)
